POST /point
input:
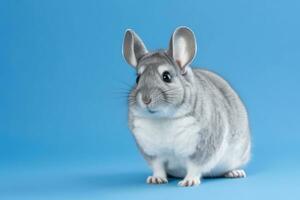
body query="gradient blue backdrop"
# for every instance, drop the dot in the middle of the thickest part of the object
(63, 126)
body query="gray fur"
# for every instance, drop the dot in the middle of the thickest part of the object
(218, 111)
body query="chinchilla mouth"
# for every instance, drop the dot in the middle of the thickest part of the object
(151, 111)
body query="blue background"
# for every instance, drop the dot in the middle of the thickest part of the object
(63, 83)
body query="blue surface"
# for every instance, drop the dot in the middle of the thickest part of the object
(63, 126)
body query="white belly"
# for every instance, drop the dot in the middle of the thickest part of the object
(171, 140)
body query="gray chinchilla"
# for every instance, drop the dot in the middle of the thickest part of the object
(187, 122)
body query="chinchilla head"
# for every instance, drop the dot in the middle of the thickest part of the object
(163, 77)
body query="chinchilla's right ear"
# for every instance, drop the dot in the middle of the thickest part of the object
(133, 48)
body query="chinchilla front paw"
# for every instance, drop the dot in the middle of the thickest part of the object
(190, 181)
(156, 180)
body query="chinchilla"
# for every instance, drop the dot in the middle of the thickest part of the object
(187, 123)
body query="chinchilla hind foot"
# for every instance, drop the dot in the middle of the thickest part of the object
(238, 173)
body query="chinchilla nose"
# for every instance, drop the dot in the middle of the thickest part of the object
(146, 99)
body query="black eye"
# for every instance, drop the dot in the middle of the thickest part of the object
(137, 79)
(166, 76)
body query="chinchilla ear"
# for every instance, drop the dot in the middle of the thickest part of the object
(183, 46)
(133, 48)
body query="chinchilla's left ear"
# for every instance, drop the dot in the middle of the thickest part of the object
(183, 46)
(133, 48)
